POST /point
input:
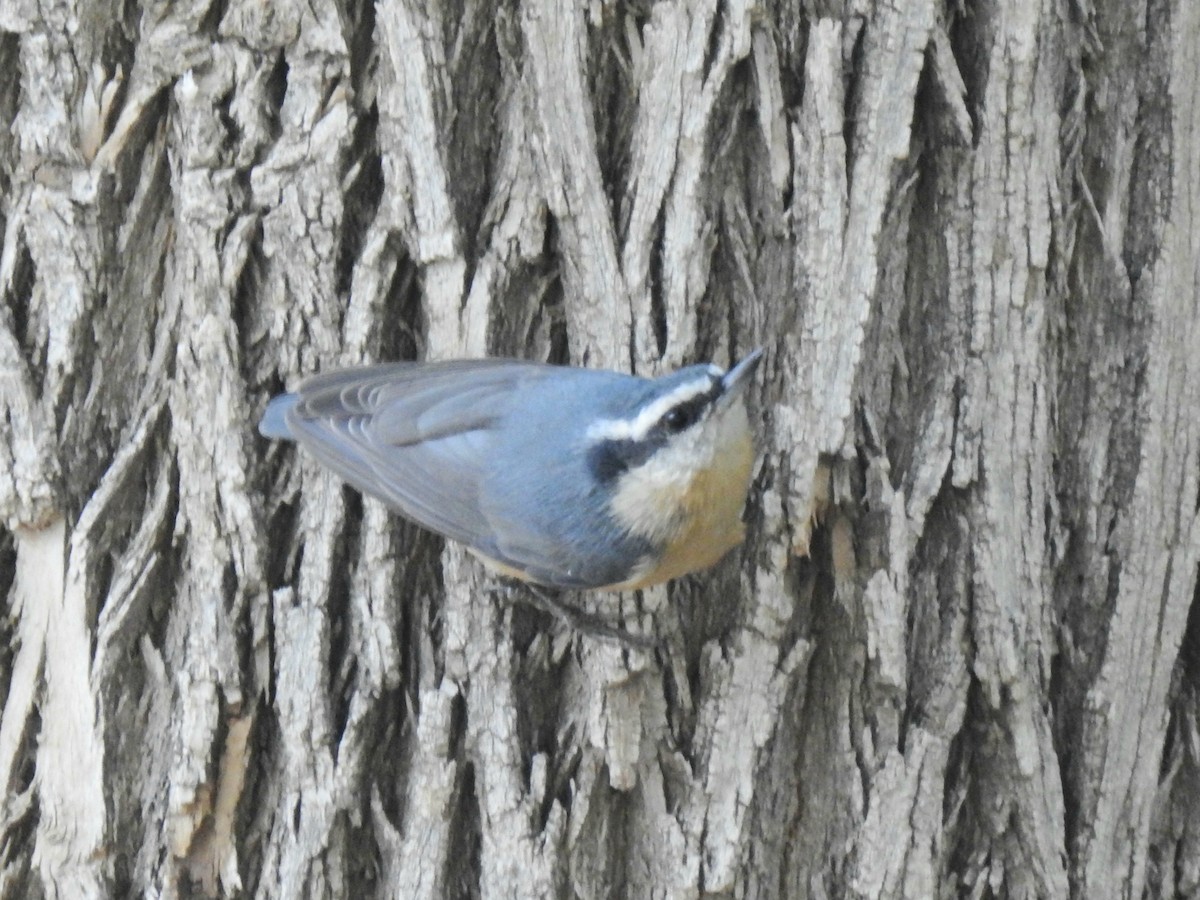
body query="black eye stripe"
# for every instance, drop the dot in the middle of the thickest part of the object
(687, 413)
(678, 418)
(609, 459)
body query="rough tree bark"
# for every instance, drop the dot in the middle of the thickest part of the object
(954, 657)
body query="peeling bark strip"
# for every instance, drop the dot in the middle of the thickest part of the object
(957, 654)
(69, 768)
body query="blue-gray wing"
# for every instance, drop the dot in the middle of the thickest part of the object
(420, 437)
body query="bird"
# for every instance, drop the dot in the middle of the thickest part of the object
(565, 477)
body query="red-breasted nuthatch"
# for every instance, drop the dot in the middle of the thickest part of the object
(566, 477)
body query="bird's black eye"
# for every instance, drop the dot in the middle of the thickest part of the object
(679, 418)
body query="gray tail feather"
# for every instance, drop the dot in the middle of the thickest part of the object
(274, 421)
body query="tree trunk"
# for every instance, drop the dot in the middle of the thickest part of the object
(958, 654)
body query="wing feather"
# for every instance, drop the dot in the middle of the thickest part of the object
(419, 437)
(428, 440)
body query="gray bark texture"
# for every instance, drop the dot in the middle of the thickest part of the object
(959, 653)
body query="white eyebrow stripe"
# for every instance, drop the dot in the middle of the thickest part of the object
(636, 428)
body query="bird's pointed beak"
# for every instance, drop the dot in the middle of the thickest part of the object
(739, 376)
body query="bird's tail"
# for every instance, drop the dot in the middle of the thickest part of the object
(274, 421)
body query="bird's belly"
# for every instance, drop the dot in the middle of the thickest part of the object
(500, 567)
